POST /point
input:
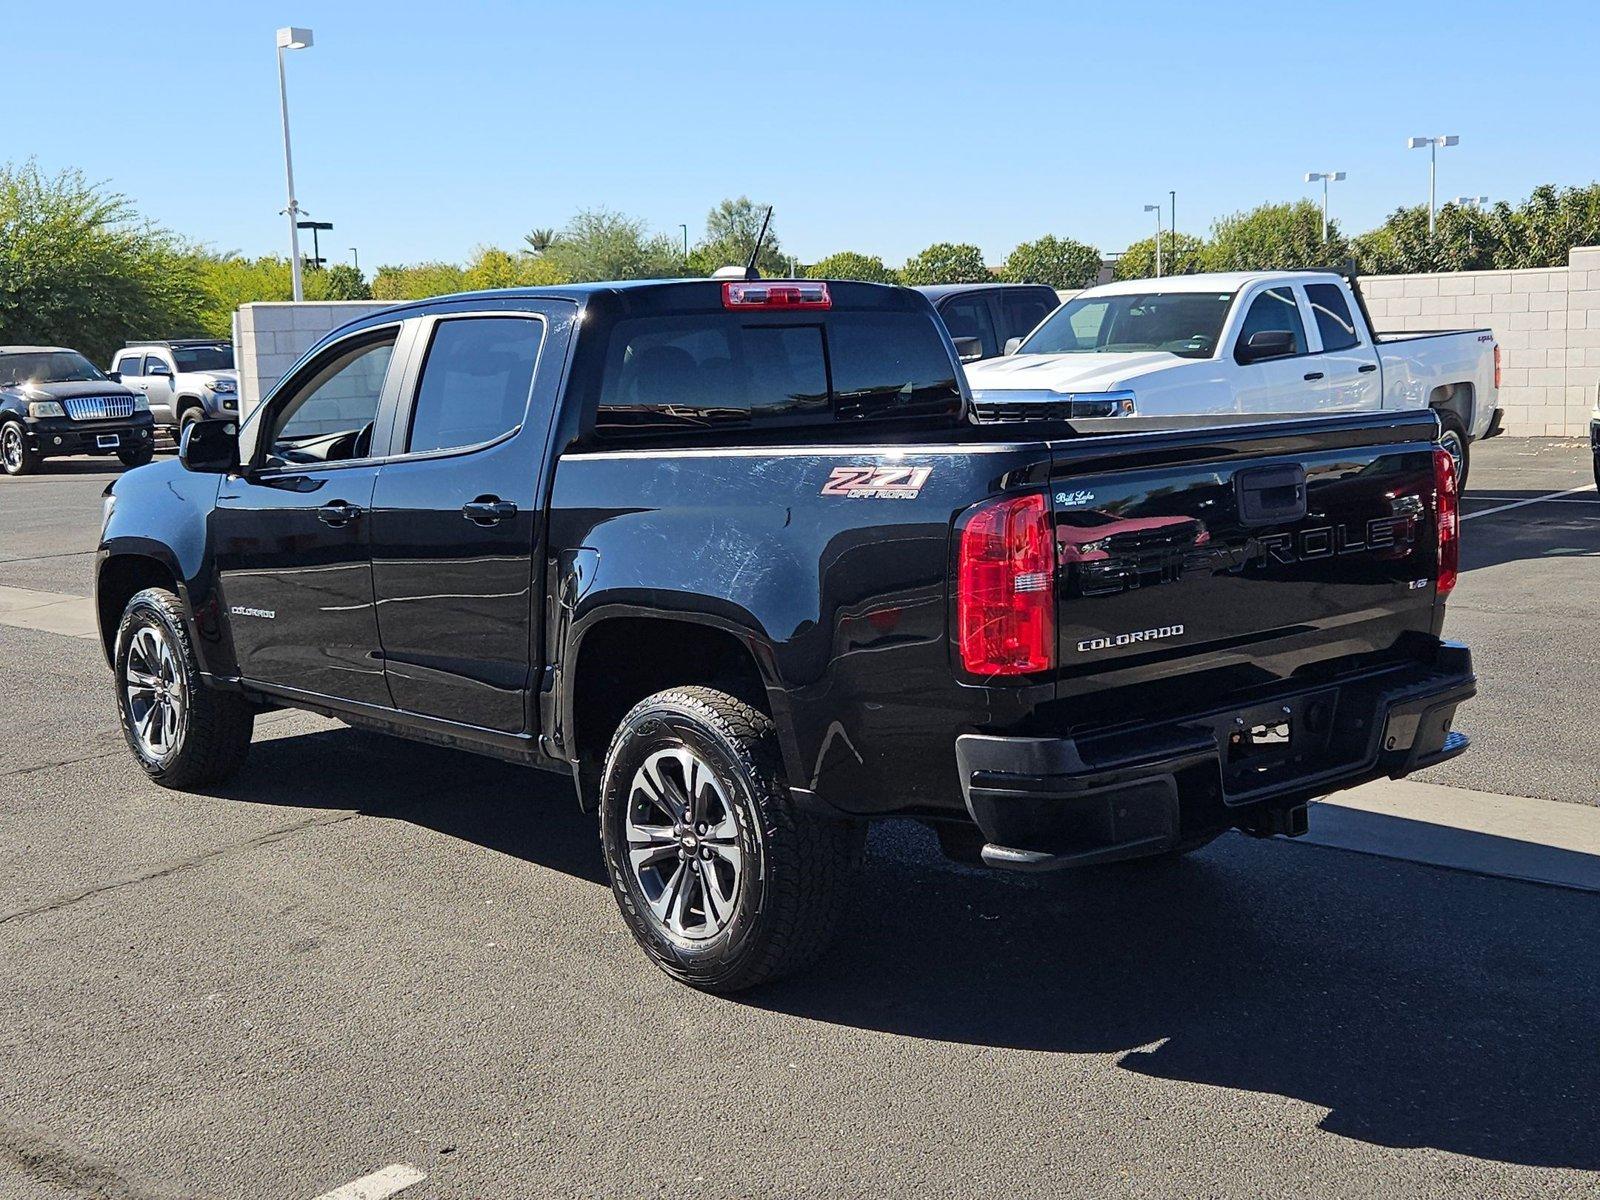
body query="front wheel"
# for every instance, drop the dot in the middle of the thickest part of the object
(136, 456)
(16, 456)
(182, 732)
(721, 880)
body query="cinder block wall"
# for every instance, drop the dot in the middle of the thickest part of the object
(1547, 324)
(269, 338)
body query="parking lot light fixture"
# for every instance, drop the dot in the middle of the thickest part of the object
(1433, 144)
(291, 38)
(1326, 177)
(1474, 202)
(1156, 208)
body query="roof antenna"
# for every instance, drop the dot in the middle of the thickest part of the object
(750, 271)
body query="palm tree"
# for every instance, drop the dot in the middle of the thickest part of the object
(539, 240)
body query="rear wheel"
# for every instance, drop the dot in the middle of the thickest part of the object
(183, 733)
(1453, 437)
(16, 457)
(721, 880)
(136, 456)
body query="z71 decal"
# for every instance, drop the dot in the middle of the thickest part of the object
(876, 483)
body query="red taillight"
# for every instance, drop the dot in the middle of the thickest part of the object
(1005, 588)
(776, 294)
(1447, 511)
(1497, 367)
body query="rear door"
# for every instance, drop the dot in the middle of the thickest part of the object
(457, 515)
(1350, 380)
(1226, 559)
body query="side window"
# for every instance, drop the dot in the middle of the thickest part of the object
(127, 365)
(968, 316)
(1020, 313)
(154, 363)
(1333, 316)
(1275, 310)
(329, 417)
(475, 382)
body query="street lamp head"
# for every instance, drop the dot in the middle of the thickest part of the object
(291, 38)
(1449, 140)
(1336, 176)
(1418, 143)
(1155, 208)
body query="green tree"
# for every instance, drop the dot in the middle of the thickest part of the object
(494, 268)
(537, 241)
(80, 268)
(600, 244)
(338, 282)
(229, 280)
(416, 282)
(946, 262)
(1060, 262)
(1138, 261)
(1464, 239)
(847, 264)
(731, 231)
(1549, 223)
(1275, 237)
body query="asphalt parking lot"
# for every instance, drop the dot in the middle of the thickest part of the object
(362, 953)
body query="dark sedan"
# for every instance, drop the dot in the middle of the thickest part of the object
(54, 401)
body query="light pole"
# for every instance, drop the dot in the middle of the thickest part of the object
(1433, 144)
(685, 229)
(1172, 228)
(1326, 177)
(1156, 208)
(356, 259)
(290, 38)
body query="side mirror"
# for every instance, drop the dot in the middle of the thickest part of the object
(968, 349)
(1012, 344)
(160, 369)
(210, 447)
(1268, 343)
(114, 375)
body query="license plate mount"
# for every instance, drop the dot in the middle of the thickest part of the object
(107, 441)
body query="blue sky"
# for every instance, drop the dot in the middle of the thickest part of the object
(424, 129)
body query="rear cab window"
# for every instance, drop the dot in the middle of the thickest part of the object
(772, 370)
(1332, 315)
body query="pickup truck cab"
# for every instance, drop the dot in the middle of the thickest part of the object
(1253, 342)
(54, 401)
(984, 317)
(184, 380)
(735, 557)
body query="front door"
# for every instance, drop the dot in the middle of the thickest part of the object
(157, 388)
(1291, 382)
(292, 531)
(456, 520)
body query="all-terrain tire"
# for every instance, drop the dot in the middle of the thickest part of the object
(792, 886)
(212, 729)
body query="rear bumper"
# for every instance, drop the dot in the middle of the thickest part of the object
(1494, 429)
(62, 435)
(1046, 803)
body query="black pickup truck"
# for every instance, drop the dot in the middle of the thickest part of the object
(737, 557)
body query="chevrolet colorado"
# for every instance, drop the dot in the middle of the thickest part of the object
(737, 557)
(1249, 342)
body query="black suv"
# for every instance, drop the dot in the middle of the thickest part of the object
(54, 401)
(989, 319)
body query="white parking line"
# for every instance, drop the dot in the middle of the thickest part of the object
(1489, 512)
(394, 1178)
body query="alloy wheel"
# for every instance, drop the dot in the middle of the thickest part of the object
(683, 844)
(11, 447)
(155, 692)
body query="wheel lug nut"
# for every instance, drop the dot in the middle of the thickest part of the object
(701, 829)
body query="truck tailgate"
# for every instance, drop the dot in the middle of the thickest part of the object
(1219, 563)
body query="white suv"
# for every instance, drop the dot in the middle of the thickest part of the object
(184, 380)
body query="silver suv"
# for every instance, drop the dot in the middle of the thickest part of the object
(184, 379)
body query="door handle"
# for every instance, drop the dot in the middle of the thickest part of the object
(1367, 368)
(1313, 374)
(488, 510)
(339, 513)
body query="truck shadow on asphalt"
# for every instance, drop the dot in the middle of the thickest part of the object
(1421, 1007)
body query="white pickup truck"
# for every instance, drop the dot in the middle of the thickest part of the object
(1251, 342)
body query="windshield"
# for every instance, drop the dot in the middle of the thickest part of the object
(1183, 323)
(49, 366)
(203, 358)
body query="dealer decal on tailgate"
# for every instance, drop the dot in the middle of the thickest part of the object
(876, 483)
